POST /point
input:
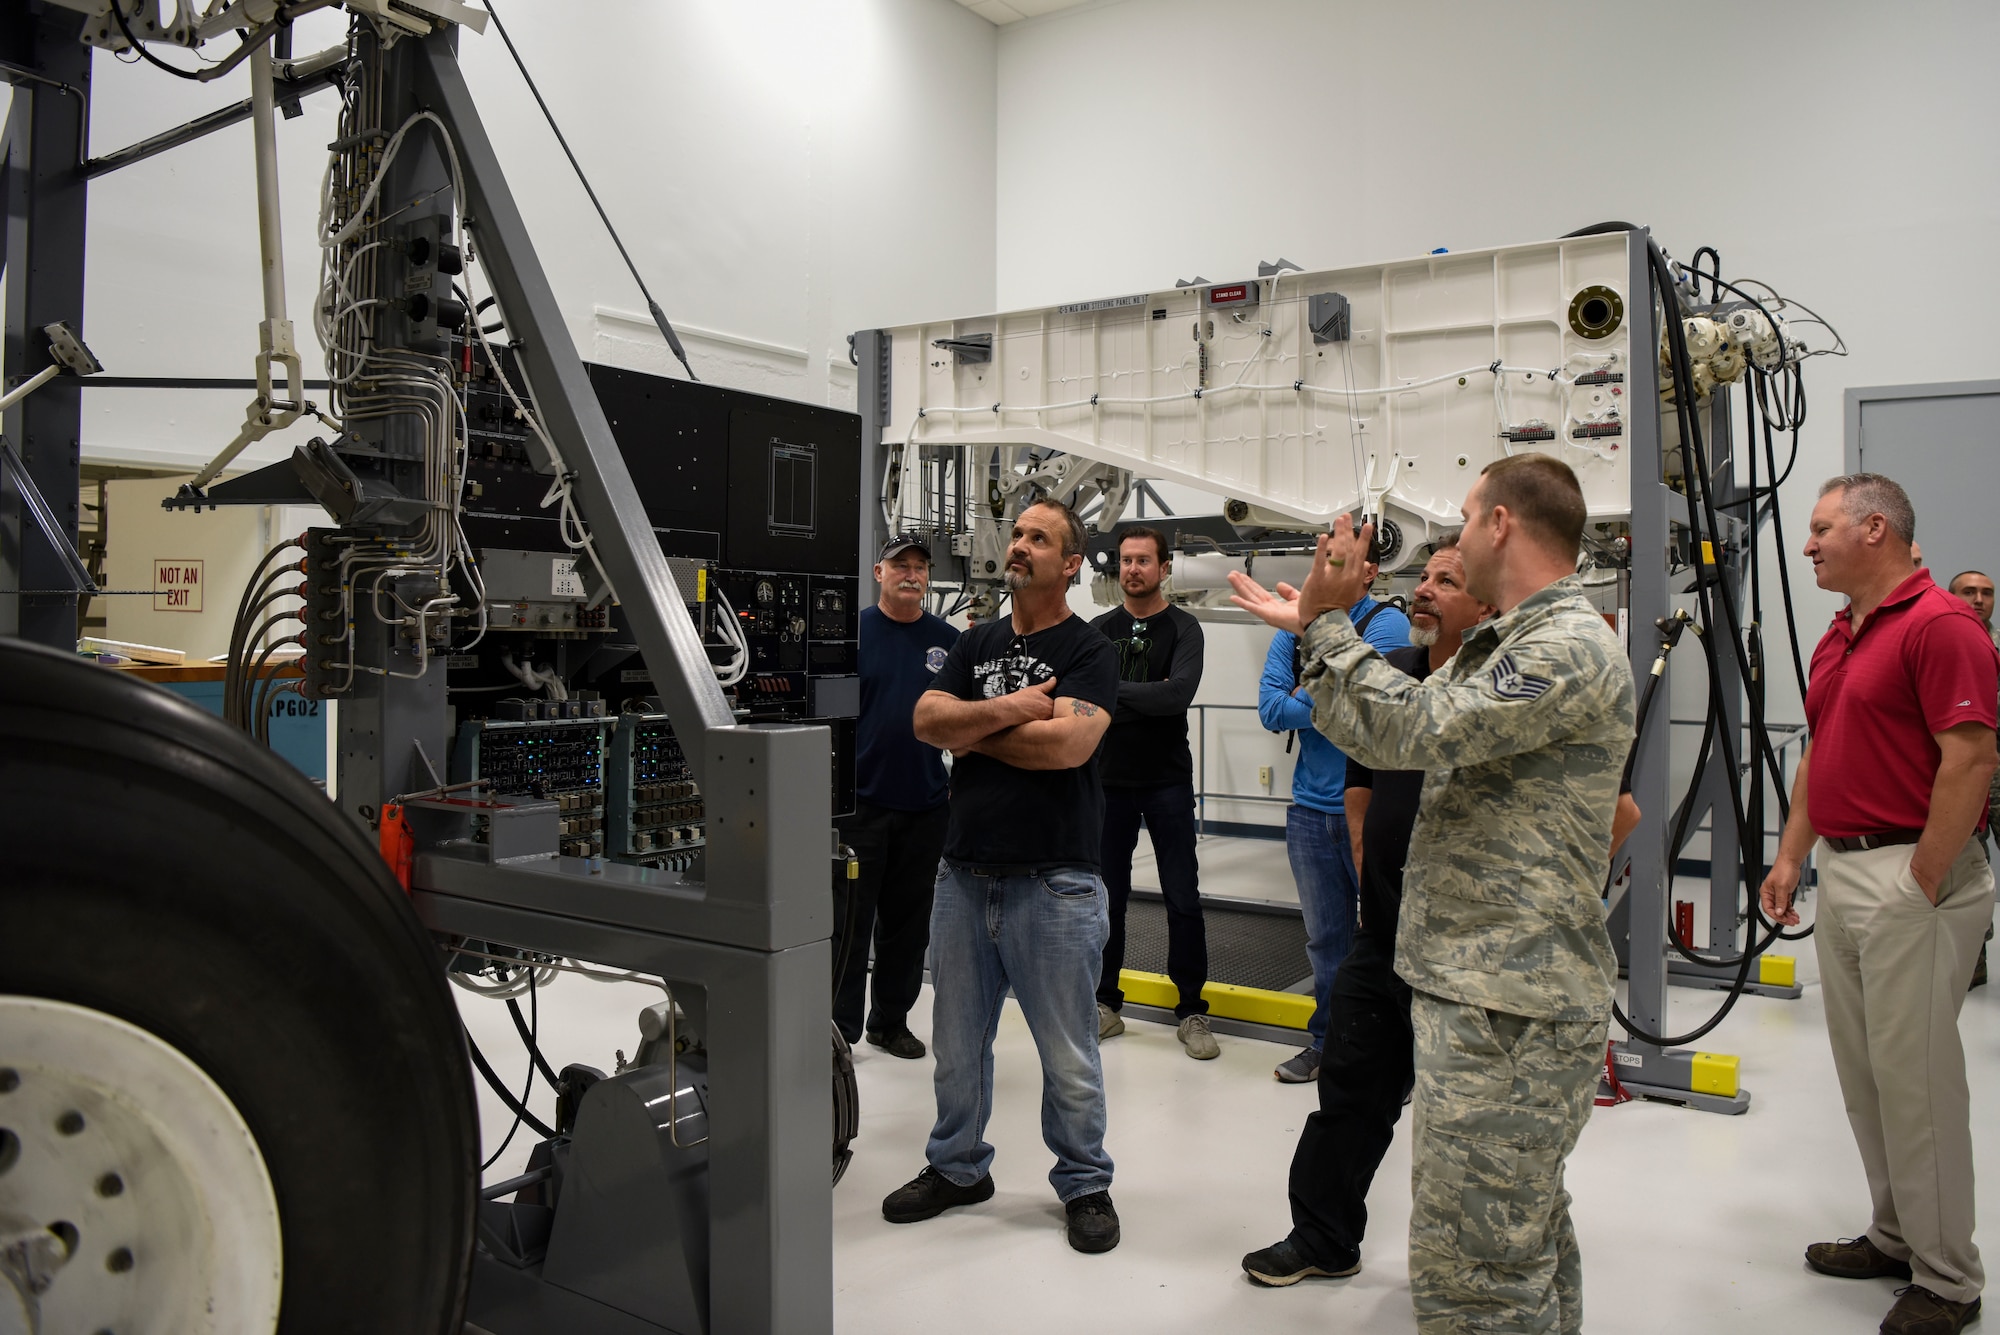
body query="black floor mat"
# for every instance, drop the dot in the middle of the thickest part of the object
(1245, 947)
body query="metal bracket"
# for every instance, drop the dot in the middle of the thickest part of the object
(45, 518)
(970, 350)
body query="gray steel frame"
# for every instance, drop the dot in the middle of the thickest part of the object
(753, 935)
(43, 240)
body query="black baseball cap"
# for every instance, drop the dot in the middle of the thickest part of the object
(904, 543)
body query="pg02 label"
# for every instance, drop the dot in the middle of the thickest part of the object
(564, 582)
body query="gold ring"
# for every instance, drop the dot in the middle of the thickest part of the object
(1337, 564)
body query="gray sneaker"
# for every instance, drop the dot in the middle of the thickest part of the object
(1110, 1023)
(1302, 1069)
(1197, 1038)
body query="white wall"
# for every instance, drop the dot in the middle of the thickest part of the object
(783, 172)
(1840, 150)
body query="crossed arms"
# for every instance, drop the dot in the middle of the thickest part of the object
(1032, 728)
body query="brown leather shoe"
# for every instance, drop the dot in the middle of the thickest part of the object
(1855, 1258)
(1918, 1311)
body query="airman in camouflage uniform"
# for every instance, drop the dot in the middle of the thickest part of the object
(1523, 736)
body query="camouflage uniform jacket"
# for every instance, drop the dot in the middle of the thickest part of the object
(1523, 735)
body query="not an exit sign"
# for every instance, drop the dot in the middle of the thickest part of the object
(176, 585)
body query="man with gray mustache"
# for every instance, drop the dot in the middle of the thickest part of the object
(898, 826)
(1369, 1061)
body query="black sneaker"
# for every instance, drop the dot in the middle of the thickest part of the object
(1281, 1265)
(1093, 1222)
(905, 1044)
(929, 1194)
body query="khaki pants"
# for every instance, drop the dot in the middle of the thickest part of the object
(1498, 1105)
(1894, 970)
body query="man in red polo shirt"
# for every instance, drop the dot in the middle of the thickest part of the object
(1901, 710)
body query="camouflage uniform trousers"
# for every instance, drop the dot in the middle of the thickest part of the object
(1499, 1102)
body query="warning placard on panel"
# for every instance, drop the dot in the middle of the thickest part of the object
(564, 582)
(176, 585)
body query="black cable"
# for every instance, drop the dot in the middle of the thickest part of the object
(242, 641)
(1694, 468)
(528, 1040)
(252, 590)
(118, 12)
(850, 920)
(1714, 277)
(534, 1028)
(516, 1106)
(251, 41)
(254, 677)
(1784, 563)
(659, 316)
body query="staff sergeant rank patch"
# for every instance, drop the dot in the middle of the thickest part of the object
(1510, 683)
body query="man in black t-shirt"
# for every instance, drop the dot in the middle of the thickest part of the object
(897, 829)
(1148, 774)
(1022, 705)
(1369, 1061)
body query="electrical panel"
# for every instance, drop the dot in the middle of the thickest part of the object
(560, 760)
(653, 808)
(756, 505)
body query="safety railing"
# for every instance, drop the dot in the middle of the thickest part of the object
(1202, 793)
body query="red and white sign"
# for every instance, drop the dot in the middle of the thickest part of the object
(1233, 295)
(176, 585)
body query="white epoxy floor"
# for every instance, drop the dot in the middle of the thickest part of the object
(1688, 1221)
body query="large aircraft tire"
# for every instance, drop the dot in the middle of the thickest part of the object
(208, 975)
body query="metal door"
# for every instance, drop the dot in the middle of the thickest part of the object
(1942, 442)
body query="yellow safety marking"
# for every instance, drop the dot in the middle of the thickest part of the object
(1284, 1010)
(1708, 553)
(1777, 970)
(701, 585)
(1713, 1073)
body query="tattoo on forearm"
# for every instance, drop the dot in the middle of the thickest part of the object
(1083, 708)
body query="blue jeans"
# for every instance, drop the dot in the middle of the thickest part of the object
(1323, 865)
(1044, 935)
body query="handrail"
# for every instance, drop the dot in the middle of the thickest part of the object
(1201, 789)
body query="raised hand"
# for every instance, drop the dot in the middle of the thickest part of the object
(1278, 609)
(1340, 569)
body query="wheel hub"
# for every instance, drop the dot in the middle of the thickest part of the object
(133, 1197)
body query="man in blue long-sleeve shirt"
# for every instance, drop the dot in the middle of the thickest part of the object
(1316, 838)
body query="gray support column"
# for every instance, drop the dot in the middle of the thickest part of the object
(871, 353)
(45, 199)
(1725, 848)
(770, 1103)
(770, 1165)
(1652, 878)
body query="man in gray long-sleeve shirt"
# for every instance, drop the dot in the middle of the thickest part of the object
(1148, 772)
